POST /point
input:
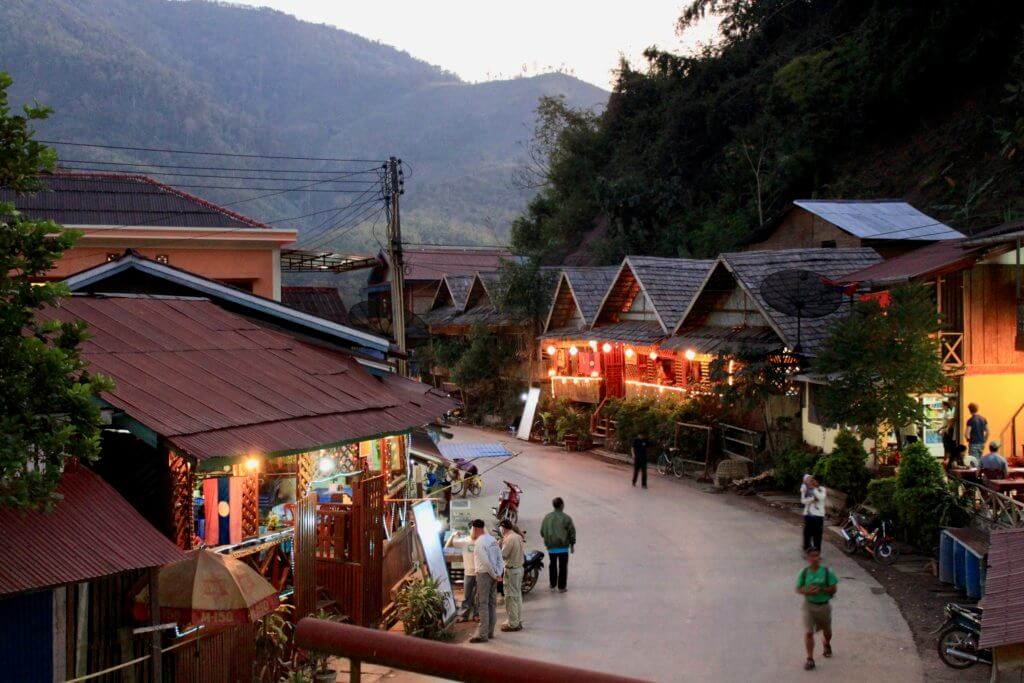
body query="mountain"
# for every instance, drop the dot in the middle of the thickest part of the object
(200, 75)
(918, 99)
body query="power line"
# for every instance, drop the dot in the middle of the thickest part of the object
(247, 189)
(372, 169)
(233, 155)
(222, 177)
(336, 222)
(339, 211)
(343, 228)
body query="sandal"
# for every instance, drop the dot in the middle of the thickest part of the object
(808, 665)
(828, 650)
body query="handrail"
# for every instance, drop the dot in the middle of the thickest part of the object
(595, 417)
(993, 506)
(1013, 431)
(431, 658)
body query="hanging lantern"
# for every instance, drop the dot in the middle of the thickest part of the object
(551, 372)
(629, 352)
(551, 349)
(607, 348)
(690, 354)
(653, 355)
(573, 350)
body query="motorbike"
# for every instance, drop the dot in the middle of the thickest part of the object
(508, 503)
(532, 567)
(874, 536)
(958, 638)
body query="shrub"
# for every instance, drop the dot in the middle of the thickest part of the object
(791, 465)
(421, 609)
(844, 468)
(657, 417)
(882, 496)
(923, 498)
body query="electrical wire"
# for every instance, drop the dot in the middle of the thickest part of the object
(233, 155)
(221, 177)
(372, 169)
(342, 229)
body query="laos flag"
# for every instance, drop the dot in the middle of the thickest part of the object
(222, 498)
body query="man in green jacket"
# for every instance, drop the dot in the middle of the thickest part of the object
(559, 536)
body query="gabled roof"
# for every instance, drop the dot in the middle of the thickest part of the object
(879, 219)
(579, 289)
(750, 268)
(432, 263)
(323, 302)
(104, 278)
(77, 198)
(1002, 622)
(458, 288)
(928, 261)
(91, 532)
(668, 283)
(216, 384)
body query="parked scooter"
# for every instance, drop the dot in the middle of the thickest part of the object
(875, 536)
(532, 567)
(958, 638)
(508, 503)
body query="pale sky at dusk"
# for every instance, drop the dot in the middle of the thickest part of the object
(481, 40)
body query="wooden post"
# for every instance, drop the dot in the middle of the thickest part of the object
(82, 630)
(156, 668)
(355, 670)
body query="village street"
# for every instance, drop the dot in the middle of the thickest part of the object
(676, 584)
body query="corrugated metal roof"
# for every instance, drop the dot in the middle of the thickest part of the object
(92, 532)
(1002, 622)
(930, 260)
(216, 384)
(323, 302)
(751, 268)
(886, 219)
(122, 199)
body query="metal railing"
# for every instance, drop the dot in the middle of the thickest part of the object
(431, 658)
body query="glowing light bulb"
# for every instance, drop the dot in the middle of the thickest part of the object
(326, 465)
(573, 350)
(690, 354)
(593, 373)
(551, 350)
(523, 396)
(252, 464)
(592, 344)
(551, 373)
(607, 348)
(653, 355)
(629, 352)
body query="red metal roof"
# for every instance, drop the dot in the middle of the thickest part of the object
(92, 532)
(935, 259)
(1002, 622)
(215, 384)
(433, 263)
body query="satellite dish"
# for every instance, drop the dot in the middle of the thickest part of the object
(800, 294)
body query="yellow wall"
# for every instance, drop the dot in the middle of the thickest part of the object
(998, 398)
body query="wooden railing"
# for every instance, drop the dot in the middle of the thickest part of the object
(581, 389)
(398, 560)
(951, 349)
(991, 506)
(336, 533)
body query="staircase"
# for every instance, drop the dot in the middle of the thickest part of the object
(602, 428)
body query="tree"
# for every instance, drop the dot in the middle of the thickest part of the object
(47, 409)
(878, 359)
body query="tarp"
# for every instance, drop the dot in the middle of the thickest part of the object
(471, 451)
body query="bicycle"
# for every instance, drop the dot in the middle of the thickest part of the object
(670, 461)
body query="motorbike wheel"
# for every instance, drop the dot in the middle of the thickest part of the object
(849, 544)
(457, 487)
(677, 467)
(530, 580)
(961, 639)
(512, 516)
(664, 464)
(886, 553)
(474, 487)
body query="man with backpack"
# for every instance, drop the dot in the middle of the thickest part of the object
(817, 584)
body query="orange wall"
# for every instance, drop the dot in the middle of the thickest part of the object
(227, 263)
(998, 397)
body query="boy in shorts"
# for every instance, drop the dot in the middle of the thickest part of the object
(817, 584)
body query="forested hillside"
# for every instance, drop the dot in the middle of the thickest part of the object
(203, 75)
(921, 99)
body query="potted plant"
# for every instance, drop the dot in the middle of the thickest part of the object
(421, 609)
(319, 665)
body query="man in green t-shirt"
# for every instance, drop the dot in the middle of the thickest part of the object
(817, 584)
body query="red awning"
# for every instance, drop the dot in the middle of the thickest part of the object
(92, 532)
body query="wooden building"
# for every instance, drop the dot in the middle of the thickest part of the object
(977, 290)
(890, 226)
(120, 211)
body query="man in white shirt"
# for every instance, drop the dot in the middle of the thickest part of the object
(489, 570)
(812, 495)
(465, 543)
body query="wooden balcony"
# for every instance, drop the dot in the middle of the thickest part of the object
(581, 389)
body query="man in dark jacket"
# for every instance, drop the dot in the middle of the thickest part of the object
(639, 449)
(559, 536)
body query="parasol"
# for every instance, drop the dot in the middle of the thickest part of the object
(212, 590)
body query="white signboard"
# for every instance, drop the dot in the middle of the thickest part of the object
(529, 412)
(428, 529)
(460, 514)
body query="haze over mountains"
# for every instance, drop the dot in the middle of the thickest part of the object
(209, 76)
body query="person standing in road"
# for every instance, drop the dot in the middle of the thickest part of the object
(639, 450)
(559, 536)
(464, 543)
(977, 433)
(812, 495)
(817, 584)
(512, 555)
(489, 570)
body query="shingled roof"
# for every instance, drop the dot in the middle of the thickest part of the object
(589, 285)
(750, 268)
(669, 284)
(121, 199)
(458, 288)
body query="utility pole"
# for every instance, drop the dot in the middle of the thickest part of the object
(395, 189)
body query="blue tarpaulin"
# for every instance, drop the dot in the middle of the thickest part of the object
(471, 451)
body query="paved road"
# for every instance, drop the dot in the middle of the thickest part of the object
(677, 584)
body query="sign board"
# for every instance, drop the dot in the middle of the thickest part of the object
(460, 515)
(428, 529)
(529, 412)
